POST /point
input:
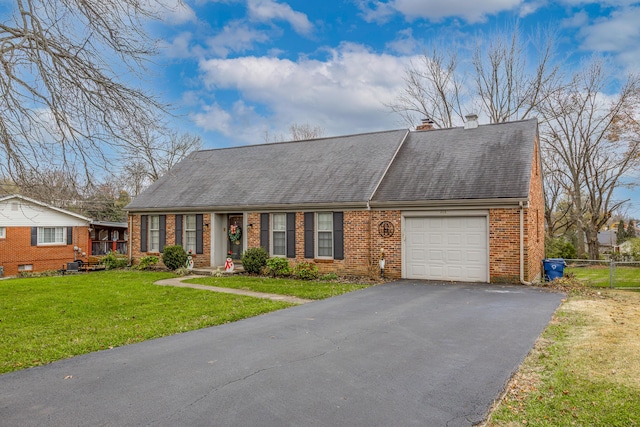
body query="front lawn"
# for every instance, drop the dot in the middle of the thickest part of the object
(52, 318)
(598, 276)
(298, 288)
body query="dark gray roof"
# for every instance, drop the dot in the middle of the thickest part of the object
(340, 170)
(488, 162)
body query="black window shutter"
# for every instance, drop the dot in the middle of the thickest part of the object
(291, 235)
(69, 235)
(264, 231)
(143, 233)
(199, 234)
(338, 235)
(179, 230)
(309, 246)
(34, 236)
(163, 232)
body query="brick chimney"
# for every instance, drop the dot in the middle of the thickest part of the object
(427, 124)
(472, 121)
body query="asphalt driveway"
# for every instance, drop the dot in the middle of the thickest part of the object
(399, 354)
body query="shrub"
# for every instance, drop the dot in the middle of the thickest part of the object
(112, 261)
(306, 271)
(254, 260)
(147, 262)
(174, 257)
(329, 277)
(560, 248)
(278, 267)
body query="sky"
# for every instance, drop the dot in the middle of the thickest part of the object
(242, 72)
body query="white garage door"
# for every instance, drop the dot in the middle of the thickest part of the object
(446, 248)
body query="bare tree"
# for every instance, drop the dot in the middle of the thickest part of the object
(503, 85)
(154, 153)
(297, 132)
(433, 89)
(596, 140)
(65, 81)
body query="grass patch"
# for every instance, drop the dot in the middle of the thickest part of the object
(51, 318)
(298, 288)
(584, 369)
(598, 276)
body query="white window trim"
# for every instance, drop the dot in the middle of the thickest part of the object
(317, 231)
(3, 232)
(186, 230)
(273, 230)
(150, 247)
(62, 242)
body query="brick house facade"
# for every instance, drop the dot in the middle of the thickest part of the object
(487, 177)
(454, 204)
(23, 249)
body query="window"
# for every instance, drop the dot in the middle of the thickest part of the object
(154, 233)
(51, 236)
(279, 234)
(3, 232)
(25, 267)
(324, 234)
(190, 233)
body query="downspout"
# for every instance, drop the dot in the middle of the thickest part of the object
(130, 236)
(522, 281)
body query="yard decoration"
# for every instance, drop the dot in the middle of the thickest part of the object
(235, 233)
(228, 265)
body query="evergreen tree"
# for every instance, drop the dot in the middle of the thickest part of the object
(621, 234)
(631, 230)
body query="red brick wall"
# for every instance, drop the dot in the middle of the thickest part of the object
(16, 250)
(535, 217)
(199, 260)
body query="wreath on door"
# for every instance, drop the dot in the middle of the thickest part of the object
(235, 233)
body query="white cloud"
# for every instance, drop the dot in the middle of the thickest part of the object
(617, 32)
(436, 10)
(177, 12)
(269, 10)
(405, 43)
(342, 94)
(237, 36)
(179, 47)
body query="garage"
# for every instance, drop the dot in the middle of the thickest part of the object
(451, 248)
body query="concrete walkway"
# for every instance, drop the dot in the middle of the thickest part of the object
(178, 282)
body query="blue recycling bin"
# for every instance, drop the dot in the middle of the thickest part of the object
(553, 268)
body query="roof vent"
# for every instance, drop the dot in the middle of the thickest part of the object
(472, 121)
(427, 124)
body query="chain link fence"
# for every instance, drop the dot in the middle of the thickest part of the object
(605, 273)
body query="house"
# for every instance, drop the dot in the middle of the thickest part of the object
(459, 204)
(607, 241)
(36, 237)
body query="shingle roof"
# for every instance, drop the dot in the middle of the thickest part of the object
(340, 170)
(488, 162)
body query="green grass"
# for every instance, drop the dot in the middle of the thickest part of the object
(52, 318)
(598, 276)
(298, 288)
(562, 385)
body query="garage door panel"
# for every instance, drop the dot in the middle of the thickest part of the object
(447, 248)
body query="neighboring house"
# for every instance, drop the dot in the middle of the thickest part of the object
(36, 237)
(607, 241)
(460, 204)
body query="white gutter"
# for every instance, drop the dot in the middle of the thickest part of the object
(522, 246)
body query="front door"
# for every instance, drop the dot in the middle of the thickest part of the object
(235, 236)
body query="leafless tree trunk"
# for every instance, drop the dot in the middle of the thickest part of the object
(64, 101)
(596, 139)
